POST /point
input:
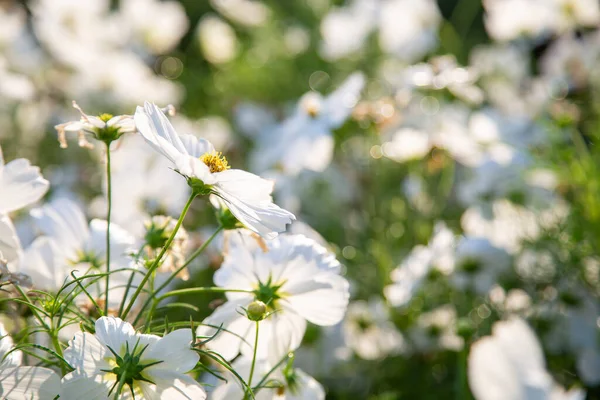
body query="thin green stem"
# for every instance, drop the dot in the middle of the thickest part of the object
(253, 358)
(156, 301)
(109, 199)
(175, 273)
(201, 290)
(156, 262)
(57, 348)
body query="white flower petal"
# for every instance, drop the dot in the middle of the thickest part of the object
(306, 388)
(86, 354)
(158, 132)
(196, 147)
(175, 351)
(41, 262)
(307, 298)
(249, 198)
(64, 221)
(170, 385)
(491, 377)
(89, 387)
(27, 383)
(10, 245)
(341, 102)
(21, 184)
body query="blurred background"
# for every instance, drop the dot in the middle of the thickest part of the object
(446, 151)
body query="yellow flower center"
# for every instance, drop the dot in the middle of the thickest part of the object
(215, 161)
(105, 117)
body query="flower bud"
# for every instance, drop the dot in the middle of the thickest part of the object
(257, 311)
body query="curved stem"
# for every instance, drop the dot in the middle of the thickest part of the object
(174, 274)
(109, 198)
(156, 301)
(156, 262)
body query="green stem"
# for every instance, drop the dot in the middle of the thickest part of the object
(109, 198)
(253, 358)
(179, 292)
(176, 272)
(56, 343)
(156, 262)
(461, 376)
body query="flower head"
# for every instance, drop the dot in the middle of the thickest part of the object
(207, 171)
(297, 280)
(104, 127)
(116, 359)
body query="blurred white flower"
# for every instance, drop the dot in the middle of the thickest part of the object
(407, 28)
(21, 184)
(500, 174)
(323, 349)
(298, 280)
(447, 129)
(14, 86)
(509, 365)
(245, 12)
(247, 196)
(73, 244)
(130, 84)
(507, 225)
(510, 19)
(345, 29)
(407, 144)
(217, 39)
(582, 338)
(304, 140)
(369, 331)
(116, 359)
(156, 25)
(408, 277)
(569, 62)
(436, 329)
(478, 264)
(76, 31)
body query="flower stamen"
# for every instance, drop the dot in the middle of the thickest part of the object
(215, 161)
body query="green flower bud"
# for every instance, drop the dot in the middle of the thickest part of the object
(257, 311)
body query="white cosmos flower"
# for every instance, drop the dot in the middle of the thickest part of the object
(408, 277)
(509, 365)
(297, 278)
(285, 383)
(100, 127)
(151, 367)
(369, 331)
(70, 243)
(478, 264)
(247, 196)
(21, 184)
(29, 383)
